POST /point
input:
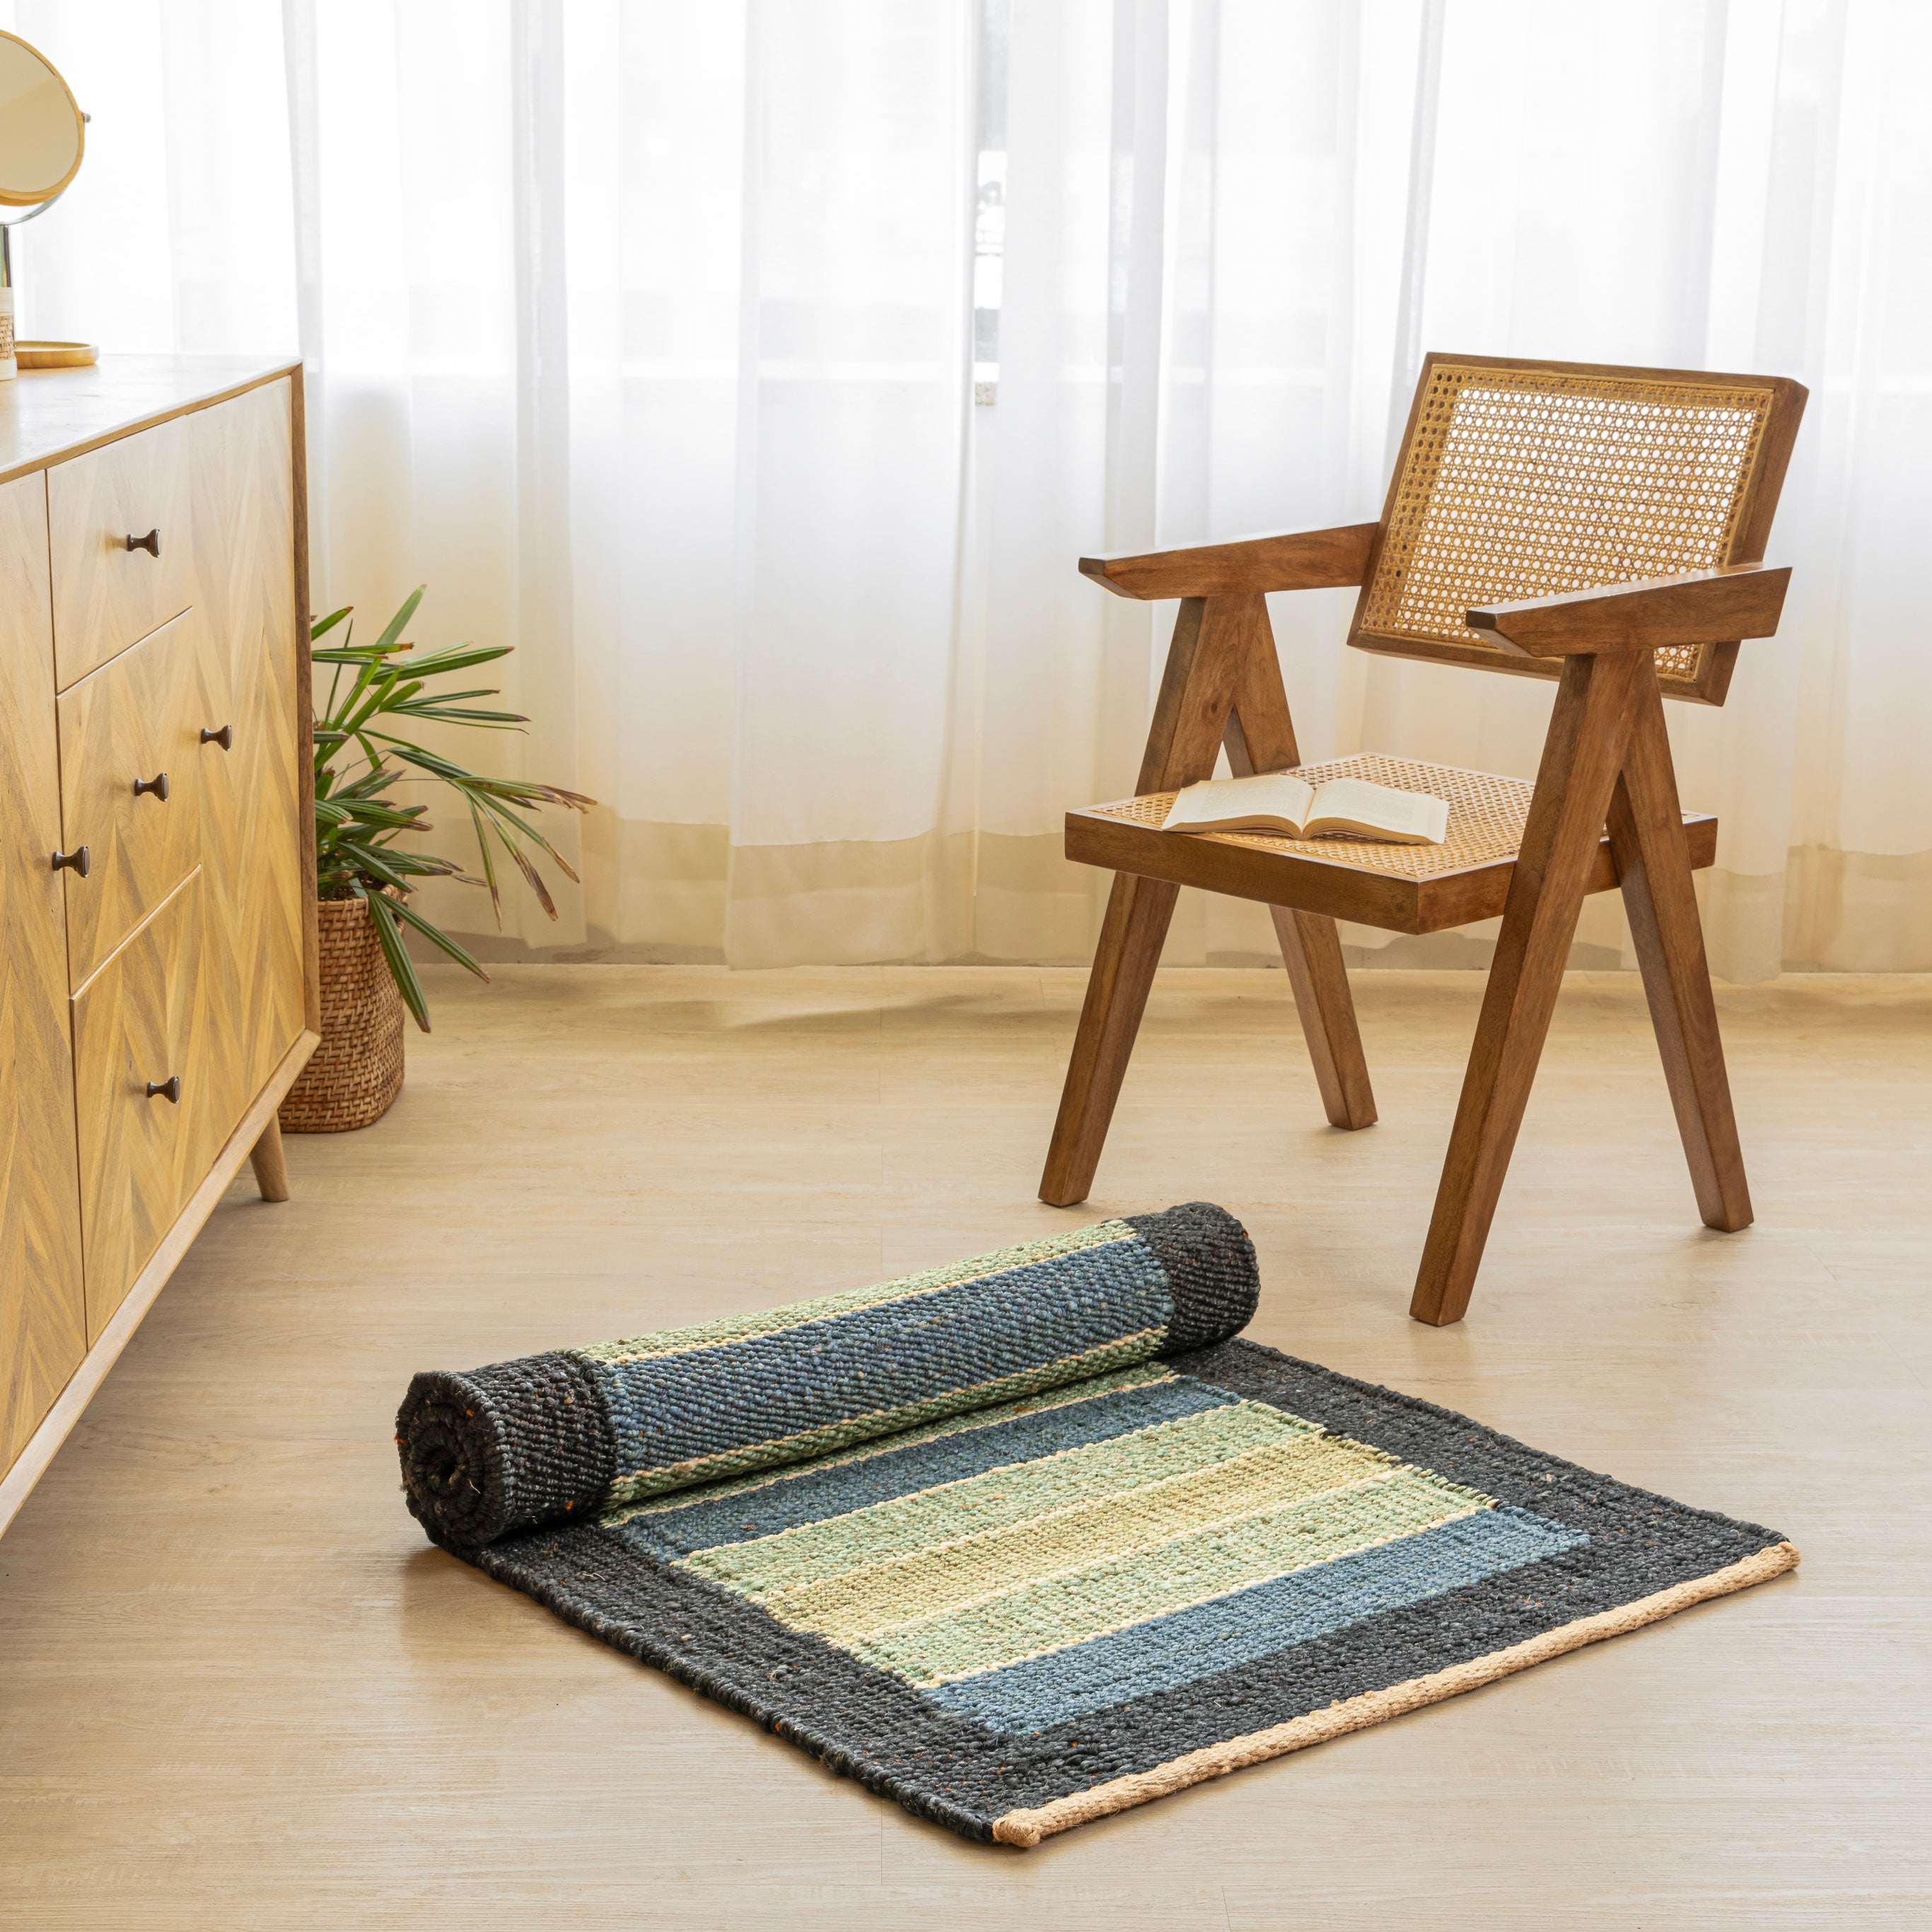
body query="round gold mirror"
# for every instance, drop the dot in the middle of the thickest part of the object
(42, 132)
(43, 136)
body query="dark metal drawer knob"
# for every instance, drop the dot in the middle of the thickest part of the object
(151, 543)
(225, 737)
(157, 784)
(168, 1089)
(76, 861)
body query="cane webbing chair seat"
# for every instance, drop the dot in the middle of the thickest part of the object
(1410, 889)
(1604, 527)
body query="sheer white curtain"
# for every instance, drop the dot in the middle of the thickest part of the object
(759, 369)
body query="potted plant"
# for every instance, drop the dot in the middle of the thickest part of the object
(365, 878)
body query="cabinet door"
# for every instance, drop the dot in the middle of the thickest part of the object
(139, 718)
(243, 518)
(43, 1326)
(106, 595)
(149, 1017)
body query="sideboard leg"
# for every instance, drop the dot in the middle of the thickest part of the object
(271, 1169)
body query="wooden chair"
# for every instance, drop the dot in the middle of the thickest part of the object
(1601, 527)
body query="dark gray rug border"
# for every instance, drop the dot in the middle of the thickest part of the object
(1454, 1445)
(871, 1727)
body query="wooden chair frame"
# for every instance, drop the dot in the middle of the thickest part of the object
(1606, 762)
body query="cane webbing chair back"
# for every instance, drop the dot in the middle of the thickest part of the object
(1528, 479)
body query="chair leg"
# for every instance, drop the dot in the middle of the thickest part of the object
(1213, 638)
(1653, 868)
(1311, 949)
(1137, 913)
(1588, 730)
(1260, 737)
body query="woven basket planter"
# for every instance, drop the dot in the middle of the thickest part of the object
(357, 1072)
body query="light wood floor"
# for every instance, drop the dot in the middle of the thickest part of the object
(238, 1690)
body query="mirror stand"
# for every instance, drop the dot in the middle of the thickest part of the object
(15, 355)
(9, 363)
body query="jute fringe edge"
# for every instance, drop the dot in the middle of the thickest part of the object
(1120, 1794)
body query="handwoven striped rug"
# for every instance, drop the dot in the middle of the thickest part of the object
(1030, 1540)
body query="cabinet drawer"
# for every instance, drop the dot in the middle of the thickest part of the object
(139, 720)
(145, 1018)
(106, 595)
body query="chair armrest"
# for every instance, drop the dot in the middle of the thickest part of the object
(1737, 601)
(1295, 560)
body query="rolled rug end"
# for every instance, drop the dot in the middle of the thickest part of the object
(452, 1450)
(504, 1448)
(1211, 1271)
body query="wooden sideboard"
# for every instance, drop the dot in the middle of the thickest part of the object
(158, 949)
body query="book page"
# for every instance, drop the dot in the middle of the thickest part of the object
(1268, 802)
(1355, 805)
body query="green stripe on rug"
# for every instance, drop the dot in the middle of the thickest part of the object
(958, 1573)
(995, 1499)
(1144, 1375)
(794, 1314)
(1051, 1612)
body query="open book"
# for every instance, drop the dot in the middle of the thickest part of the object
(1280, 801)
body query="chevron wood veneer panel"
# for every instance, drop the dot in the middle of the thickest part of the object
(243, 514)
(105, 596)
(43, 1323)
(139, 716)
(147, 1016)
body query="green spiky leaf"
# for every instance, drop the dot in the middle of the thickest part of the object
(358, 763)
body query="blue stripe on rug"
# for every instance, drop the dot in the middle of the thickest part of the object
(671, 1409)
(813, 1495)
(1167, 1652)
